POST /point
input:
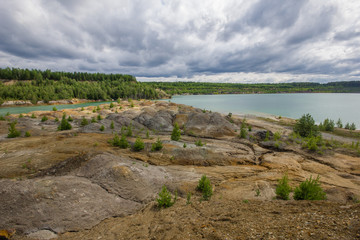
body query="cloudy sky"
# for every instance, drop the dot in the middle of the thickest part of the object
(187, 40)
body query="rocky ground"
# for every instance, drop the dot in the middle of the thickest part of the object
(75, 185)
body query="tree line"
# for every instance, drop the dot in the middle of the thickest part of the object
(178, 88)
(111, 86)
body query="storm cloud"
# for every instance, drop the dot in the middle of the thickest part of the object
(163, 40)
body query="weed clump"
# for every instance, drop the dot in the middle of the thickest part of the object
(119, 142)
(310, 189)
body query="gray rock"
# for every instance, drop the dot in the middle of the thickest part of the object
(65, 203)
(42, 235)
(209, 125)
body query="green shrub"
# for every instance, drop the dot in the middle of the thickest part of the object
(327, 125)
(20, 115)
(309, 190)
(70, 119)
(27, 134)
(102, 128)
(277, 136)
(164, 199)
(84, 122)
(33, 115)
(267, 136)
(129, 132)
(184, 146)
(99, 117)
(82, 109)
(98, 108)
(157, 146)
(56, 119)
(119, 142)
(312, 143)
(13, 132)
(147, 134)
(93, 120)
(138, 145)
(352, 126)
(112, 125)
(339, 123)
(283, 189)
(306, 127)
(243, 131)
(188, 198)
(44, 118)
(205, 187)
(2, 118)
(176, 134)
(111, 105)
(64, 124)
(199, 143)
(54, 109)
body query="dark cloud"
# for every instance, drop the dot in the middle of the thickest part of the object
(186, 39)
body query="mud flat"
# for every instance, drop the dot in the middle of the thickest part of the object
(74, 184)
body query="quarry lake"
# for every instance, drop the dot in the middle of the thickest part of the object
(345, 106)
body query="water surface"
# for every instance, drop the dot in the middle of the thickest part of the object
(345, 106)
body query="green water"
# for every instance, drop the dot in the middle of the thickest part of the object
(345, 106)
(27, 109)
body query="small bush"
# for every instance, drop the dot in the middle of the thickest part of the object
(54, 109)
(184, 146)
(306, 127)
(129, 131)
(112, 125)
(20, 115)
(13, 132)
(44, 118)
(56, 119)
(82, 109)
(205, 187)
(277, 136)
(199, 143)
(157, 146)
(164, 199)
(267, 136)
(327, 125)
(176, 134)
(2, 118)
(102, 128)
(339, 123)
(70, 119)
(147, 134)
(243, 131)
(283, 189)
(111, 105)
(309, 190)
(93, 120)
(33, 116)
(138, 145)
(99, 117)
(64, 124)
(188, 198)
(84, 122)
(27, 134)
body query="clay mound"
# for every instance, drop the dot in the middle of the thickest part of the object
(127, 178)
(160, 121)
(209, 125)
(49, 203)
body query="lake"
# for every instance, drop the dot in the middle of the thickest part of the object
(345, 106)
(27, 109)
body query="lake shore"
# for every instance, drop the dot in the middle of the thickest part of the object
(81, 185)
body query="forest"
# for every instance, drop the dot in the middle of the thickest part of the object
(37, 85)
(178, 88)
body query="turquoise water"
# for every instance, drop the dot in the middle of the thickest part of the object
(292, 105)
(18, 110)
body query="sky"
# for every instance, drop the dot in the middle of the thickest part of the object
(253, 41)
